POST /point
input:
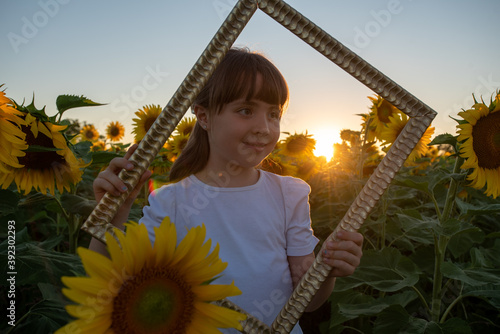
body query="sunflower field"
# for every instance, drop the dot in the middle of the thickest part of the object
(430, 262)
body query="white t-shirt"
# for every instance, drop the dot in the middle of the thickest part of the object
(256, 226)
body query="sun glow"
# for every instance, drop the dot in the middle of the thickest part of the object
(325, 138)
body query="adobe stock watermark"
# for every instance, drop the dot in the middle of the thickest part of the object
(30, 26)
(133, 100)
(223, 7)
(380, 19)
(363, 35)
(277, 297)
(485, 88)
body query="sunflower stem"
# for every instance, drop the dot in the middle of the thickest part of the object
(450, 307)
(74, 225)
(452, 192)
(362, 149)
(441, 243)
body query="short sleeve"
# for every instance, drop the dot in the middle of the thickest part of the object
(300, 239)
(161, 205)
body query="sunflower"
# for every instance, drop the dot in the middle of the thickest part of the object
(306, 168)
(367, 128)
(50, 165)
(274, 164)
(176, 144)
(12, 138)
(395, 126)
(115, 131)
(150, 289)
(479, 138)
(381, 112)
(89, 133)
(161, 163)
(297, 145)
(146, 117)
(186, 126)
(98, 145)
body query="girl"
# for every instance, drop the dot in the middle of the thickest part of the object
(260, 220)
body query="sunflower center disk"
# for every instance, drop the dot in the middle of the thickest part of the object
(39, 160)
(115, 131)
(385, 110)
(157, 300)
(486, 141)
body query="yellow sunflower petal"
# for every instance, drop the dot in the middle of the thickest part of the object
(129, 264)
(138, 235)
(215, 292)
(220, 317)
(85, 284)
(95, 264)
(470, 116)
(189, 243)
(114, 250)
(493, 188)
(87, 312)
(165, 242)
(84, 327)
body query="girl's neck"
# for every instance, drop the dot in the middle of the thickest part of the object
(230, 177)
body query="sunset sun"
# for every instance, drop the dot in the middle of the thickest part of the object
(325, 138)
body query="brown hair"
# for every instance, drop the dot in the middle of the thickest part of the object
(235, 77)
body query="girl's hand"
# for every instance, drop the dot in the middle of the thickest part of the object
(108, 180)
(344, 255)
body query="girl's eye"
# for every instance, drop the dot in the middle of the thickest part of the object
(245, 112)
(274, 114)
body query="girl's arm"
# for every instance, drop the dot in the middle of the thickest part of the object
(343, 256)
(108, 181)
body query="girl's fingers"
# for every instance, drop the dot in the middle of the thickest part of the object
(104, 186)
(109, 181)
(344, 256)
(117, 164)
(130, 151)
(355, 237)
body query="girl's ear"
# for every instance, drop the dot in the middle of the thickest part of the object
(201, 115)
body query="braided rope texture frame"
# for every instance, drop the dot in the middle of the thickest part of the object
(420, 115)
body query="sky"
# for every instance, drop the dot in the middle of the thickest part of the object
(129, 54)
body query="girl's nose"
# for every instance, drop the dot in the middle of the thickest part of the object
(262, 125)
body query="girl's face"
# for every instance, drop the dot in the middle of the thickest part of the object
(243, 133)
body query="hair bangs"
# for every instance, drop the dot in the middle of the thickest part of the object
(250, 76)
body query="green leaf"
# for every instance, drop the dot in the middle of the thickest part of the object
(488, 292)
(479, 258)
(456, 326)
(82, 150)
(35, 264)
(31, 109)
(38, 148)
(425, 183)
(463, 236)
(473, 275)
(419, 183)
(444, 138)
(104, 157)
(396, 319)
(338, 298)
(468, 209)
(385, 270)
(8, 202)
(65, 102)
(77, 205)
(377, 305)
(418, 230)
(46, 316)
